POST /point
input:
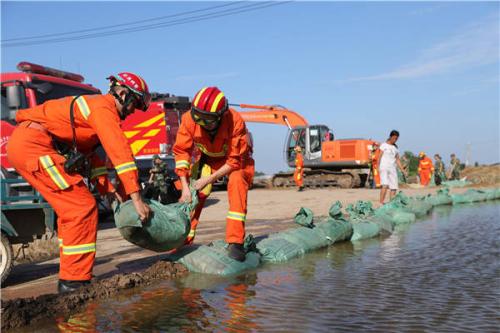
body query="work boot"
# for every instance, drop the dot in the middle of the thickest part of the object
(66, 286)
(301, 189)
(236, 251)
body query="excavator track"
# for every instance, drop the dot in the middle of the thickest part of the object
(319, 178)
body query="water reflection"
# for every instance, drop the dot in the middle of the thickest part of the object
(435, 275)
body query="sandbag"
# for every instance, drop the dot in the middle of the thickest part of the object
(165, 230)
(469, 196)
(419, 207)
(456, 183)
(492, 194)
(276, 249)
(364, 229)
(362, 211)
(304, 217)
(213, 259)
(334, 230)
(442, 197)
(397, 210)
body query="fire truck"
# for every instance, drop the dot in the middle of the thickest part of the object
(25, 214)
(33, 85)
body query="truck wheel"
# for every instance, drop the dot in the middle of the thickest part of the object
(6, 258)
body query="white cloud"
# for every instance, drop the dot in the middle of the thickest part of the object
(477, 44)
(205, 77)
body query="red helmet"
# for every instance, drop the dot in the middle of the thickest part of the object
(136, 85)
(210, 101)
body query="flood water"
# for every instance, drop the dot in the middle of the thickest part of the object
(437, 275)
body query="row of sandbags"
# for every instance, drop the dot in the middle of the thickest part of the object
(170, 225)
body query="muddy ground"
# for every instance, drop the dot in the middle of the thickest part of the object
(21, 311)
(28, 295)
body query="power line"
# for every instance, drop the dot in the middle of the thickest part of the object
(196, 18)
(106, 27)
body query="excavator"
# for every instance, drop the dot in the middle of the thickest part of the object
(328, 161)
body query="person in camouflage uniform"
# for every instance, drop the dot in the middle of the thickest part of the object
(439, 170)
(158, 173)
(454, 171)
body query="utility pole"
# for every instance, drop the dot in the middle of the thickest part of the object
(467, 153)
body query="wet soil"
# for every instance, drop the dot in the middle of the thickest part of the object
(27, 311)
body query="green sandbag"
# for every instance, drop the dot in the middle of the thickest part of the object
(213, 259)
(364, 230)
(397, 210)
(362, 211)
(492, 194)
(306, 238)
(469, 196)
(304, 217)
(334, 230)
(442, 197)
(402, 217)
(419, 207)
(384, 221)
(166, 230)
(275, 249)
(456, 183)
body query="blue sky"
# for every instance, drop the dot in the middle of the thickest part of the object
(428, 69)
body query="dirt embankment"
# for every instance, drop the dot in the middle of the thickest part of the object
(483, 175)
(21, 312)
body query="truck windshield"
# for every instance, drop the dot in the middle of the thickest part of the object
(59, 91)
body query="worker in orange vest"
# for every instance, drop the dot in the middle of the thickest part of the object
(298, 175)
(222, 138)
(425, 169)
(53, 148)
(374, 157)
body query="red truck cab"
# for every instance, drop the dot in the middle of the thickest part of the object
(33, 85)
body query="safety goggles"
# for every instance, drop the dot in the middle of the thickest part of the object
(204, 119)
(141, 101)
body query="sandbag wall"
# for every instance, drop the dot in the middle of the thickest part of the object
(362, 221)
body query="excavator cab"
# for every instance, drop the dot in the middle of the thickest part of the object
(310, 139)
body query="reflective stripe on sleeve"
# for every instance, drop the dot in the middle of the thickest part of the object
(83, 107)
(78, 249)
(236, 216)
(55, 175)
(60, 242)
(96, 172)
(182, 164)
(125, 167)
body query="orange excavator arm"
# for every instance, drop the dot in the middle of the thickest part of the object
(271, 115)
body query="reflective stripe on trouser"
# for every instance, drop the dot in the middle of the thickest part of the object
(298, 176)
(75, 206)
(237, 191)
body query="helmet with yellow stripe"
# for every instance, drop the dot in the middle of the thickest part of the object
(138, 88)
(208, 106)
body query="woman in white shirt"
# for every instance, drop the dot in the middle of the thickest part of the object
(389, 160)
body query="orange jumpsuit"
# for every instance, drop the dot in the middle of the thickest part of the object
(229, 146)
(375, 155)
(425, 170)
(30, 151)
(298, 175)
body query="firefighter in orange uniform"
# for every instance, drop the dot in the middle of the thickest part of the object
(375, 156)
(96, 121)
(221, 136)
(425, 169)
(298, 175)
